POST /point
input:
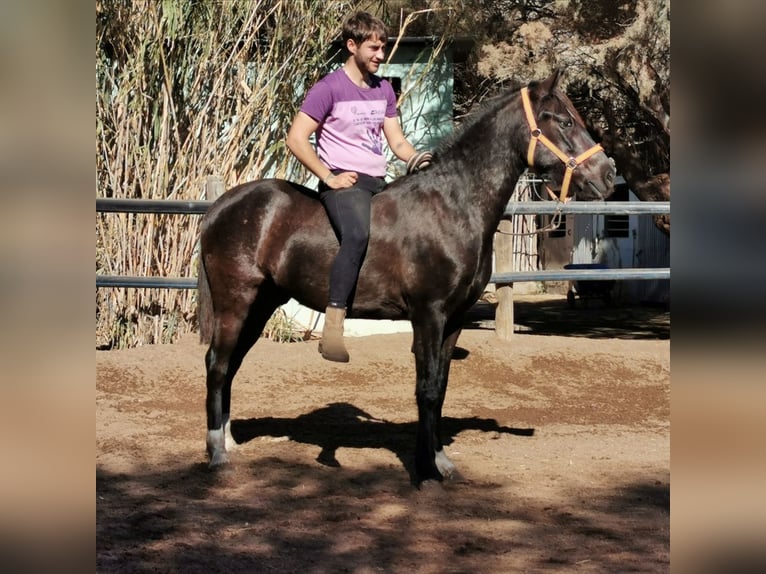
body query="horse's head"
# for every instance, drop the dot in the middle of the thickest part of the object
(561, 150)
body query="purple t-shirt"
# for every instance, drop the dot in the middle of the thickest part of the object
(350, 135)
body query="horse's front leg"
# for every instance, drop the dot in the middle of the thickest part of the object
(432, 369)
(443, 463)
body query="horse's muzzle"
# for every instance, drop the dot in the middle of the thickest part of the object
(598, 184)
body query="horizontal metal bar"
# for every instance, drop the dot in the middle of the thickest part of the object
(116, 205)
(581, 275)
(587, 207)
(146, 282)
(499, 278)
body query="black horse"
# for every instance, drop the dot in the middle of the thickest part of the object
(428, 259)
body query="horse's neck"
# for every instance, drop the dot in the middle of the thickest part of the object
(488, 177)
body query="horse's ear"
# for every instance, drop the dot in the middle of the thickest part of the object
(548, 85)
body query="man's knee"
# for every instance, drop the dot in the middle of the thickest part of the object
(358, 235)
(355, 244)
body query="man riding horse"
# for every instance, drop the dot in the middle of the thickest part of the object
(347, 109)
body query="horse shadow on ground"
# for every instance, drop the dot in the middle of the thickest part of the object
(343, 425)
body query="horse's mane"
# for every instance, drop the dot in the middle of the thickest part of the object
(488, 107)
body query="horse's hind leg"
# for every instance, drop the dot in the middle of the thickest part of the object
(218, 364)
(233, 337)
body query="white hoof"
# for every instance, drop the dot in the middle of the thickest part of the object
(444, 464)
(216, 447)
(218, 459)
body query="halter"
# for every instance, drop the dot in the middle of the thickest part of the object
(570, 162)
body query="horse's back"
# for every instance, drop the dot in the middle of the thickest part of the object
(261, 198)
(266, 211)
(268, 230)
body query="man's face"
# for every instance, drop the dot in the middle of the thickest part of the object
(369, 54)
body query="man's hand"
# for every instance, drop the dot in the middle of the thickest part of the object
(418, 161)
(341, 180)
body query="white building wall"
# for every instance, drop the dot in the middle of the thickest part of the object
(645, 246)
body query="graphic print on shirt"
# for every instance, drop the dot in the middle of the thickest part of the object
(376, 143)
(367, 118)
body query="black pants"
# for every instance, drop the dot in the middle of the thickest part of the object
(349, 213)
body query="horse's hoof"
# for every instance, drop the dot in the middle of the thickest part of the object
(431, 486)
(444, 465)
(455, 477)
(218, 459)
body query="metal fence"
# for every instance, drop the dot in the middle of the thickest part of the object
(163, 206)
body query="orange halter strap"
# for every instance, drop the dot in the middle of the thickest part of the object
(536, 134)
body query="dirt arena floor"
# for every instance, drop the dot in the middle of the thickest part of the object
(562, 438)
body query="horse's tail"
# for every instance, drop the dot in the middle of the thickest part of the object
(204, 305)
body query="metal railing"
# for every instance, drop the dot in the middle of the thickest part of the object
(163, 206)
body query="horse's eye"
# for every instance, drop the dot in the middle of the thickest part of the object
(566, 123)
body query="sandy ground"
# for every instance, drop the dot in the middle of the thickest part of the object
(561, 437)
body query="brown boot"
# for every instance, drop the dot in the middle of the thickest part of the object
(331, 346)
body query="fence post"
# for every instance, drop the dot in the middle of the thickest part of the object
(504, 291)
(213, 187)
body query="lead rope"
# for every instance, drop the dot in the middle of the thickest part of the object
(552, 226)
(534, 192)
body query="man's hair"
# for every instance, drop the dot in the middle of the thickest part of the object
(363, 26)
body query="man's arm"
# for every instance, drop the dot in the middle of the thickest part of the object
(403, 149)
(298, 143)
(396, 140)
